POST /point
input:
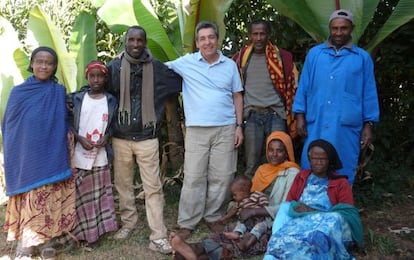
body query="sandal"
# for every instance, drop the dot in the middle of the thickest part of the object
(48, 253)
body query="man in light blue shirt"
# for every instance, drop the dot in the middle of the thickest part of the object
(213, 107)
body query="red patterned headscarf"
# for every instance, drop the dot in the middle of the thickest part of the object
(96, 65)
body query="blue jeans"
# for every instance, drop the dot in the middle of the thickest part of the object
(258, 230)
(213, 249)
(258, 127)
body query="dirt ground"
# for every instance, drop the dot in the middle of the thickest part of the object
(388, 232)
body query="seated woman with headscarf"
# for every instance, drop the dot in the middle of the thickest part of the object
(274, 179)
(318, 219)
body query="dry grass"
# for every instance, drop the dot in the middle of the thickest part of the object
(380, 242)
(135, 247)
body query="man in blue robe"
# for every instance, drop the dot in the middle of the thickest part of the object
(337, 97)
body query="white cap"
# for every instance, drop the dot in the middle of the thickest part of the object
(342, 13)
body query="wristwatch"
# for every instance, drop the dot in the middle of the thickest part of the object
(370, 123)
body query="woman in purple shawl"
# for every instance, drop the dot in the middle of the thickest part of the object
(39, 180)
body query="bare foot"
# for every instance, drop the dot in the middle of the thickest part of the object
(180, 246)
(247, 241)
(231, 235)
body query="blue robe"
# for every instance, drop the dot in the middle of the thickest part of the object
(34, 136)
(321, 234)
(337, 93)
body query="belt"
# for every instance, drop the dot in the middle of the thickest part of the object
(261, 110)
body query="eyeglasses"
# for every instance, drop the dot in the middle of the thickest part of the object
(43, 63)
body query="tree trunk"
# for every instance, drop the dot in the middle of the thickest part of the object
(175, 145)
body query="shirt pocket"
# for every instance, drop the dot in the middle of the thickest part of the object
(351, 110)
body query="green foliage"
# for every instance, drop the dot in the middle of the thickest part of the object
(213, 10)
(84, 30)
(401, 14)
(284, 32)
(8, 41)
(42, 32)
(392, 167)
(313, 16)
(52, 28)
(108, 44)
(60, 12)
(167, 14)
(381, 244)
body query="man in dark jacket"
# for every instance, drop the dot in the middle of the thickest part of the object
(141, 84)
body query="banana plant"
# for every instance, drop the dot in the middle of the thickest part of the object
(402, 14)
(313, 16)
(83, 44)
(193, 11)
(120, 14)
(9, 72)
(81, 48)
(42, 32)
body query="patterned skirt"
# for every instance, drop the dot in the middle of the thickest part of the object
(37, 216)
(95, 207)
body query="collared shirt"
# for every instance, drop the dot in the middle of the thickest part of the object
(337, 93)
(208, 89)
(347, 45)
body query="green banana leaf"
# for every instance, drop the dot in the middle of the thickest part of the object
(403, 13)
(22, 61)
(370, 6)
(42, 32)
(9, 71)
(300, 12)
(175, 33)
(83, 44)
(147, 18)
(118, 15)
(313, 15)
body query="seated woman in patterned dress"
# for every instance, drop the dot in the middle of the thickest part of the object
(318, 219)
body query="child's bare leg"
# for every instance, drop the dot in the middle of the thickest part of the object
(247, 241)
(232, 235)
(180, 246)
